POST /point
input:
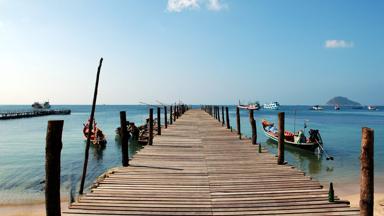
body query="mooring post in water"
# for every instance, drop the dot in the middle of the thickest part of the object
(170, 115)
(222, 116)
(90, 129)
(158, 121)
(253, 127)
(280, 150)
(238, 122)
(150, 127)
(53, 148)
(165, 117)
(366, 175)
(124, 138)
(218, 113)
(175, 113)
(227, 118)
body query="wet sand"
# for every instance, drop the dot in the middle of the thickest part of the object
(37, 209)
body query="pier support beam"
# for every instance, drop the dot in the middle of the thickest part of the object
(158, 121)
(52, 167)
(238, 122)
(253, 127)
(280, 150)
(366, 175)
(124, 138)
(165, 117)
(150, 127)
(170, 115)
(222, 115)
(227, 118)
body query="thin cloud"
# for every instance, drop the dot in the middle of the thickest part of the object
(338, 44)
(216, 5)
(181, 5)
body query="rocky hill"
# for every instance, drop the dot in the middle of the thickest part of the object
(342, 101)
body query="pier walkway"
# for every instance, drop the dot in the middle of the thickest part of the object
(198, 167)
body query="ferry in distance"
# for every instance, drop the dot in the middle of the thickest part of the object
(272, 106)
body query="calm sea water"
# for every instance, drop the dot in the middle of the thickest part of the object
(22, 145)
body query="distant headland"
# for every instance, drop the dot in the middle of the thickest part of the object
(342, 101)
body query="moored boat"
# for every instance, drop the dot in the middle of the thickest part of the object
(273, 106)
(317, 107)
(97, 136)
(250, 106)
(370, 107)
(337, 107)
(297, 139)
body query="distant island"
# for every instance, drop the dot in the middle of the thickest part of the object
(342, 101)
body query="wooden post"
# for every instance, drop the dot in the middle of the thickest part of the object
(53, 148)
(170, 115)
(91, 119)
(218, 113)
(238, 121)
(175, 113)
(158, 121)
(222, 116)
(331, 193)
(253, 127)
(280, 151)
(165, 117)
(259, 147)
(150, 127)
(227, 118)
(124, 138)
(367, 171)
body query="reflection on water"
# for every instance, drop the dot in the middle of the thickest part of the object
(97, 151)
(303, 159)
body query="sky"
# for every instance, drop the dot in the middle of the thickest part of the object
(196, 51)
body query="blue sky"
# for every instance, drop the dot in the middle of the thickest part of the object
(199, 51)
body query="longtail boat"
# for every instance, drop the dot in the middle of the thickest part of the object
(97, 135)
(297, 139)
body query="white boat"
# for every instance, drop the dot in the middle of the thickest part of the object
(317, 107)
(273, 106)
(372, 108)
(250, 106)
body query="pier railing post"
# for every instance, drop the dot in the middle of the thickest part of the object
(150, 127)
(175, 114)
(165, 117)
(253, 127)
(158, 121)
(280, 150)
(366, 175)
(124, 138)
(52, 167)
(227, 118)
(238, 122)
(331, 193)
(170, 115)
(222, 116)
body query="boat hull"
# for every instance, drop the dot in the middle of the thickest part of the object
(306, 146)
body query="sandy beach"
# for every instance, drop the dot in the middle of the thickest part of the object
(37, 209)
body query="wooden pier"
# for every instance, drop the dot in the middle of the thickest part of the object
(198, 167)
(32, 113)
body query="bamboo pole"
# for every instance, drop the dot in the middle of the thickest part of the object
(53, 148)
(91, 119)
(124, 139)
(367, 171)
(280, 151)
(253, 127)
(150, 127)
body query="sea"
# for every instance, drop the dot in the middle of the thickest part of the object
(22, 145)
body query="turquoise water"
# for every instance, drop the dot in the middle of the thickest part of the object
(22, 145)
